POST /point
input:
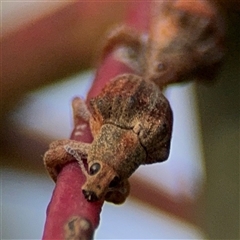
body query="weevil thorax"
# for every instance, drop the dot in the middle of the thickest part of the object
(131, 124)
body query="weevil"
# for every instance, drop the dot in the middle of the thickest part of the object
(183, 42)
(131, 120)
(131, 124)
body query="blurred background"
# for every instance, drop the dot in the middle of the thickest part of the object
(48, 56)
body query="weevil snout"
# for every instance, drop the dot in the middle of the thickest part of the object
(100, 178)
(90, 196)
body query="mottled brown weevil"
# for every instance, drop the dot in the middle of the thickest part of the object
(131, 124)
(183, 42)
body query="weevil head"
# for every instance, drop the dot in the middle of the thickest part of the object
(114, 155)
(101, 177)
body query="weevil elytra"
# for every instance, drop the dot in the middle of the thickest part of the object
(131, 124)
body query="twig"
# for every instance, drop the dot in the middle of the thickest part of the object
(69, 215)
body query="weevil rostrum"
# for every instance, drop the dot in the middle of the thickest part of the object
(131, 124)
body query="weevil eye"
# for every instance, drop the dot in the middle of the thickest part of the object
(160, 66)
(94, 168)
(114, 182)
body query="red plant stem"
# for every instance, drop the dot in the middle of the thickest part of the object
(68, 207)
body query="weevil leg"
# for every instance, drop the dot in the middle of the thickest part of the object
(62, 152)
(80, 110)
(118, 195)
(128, 44)
(57, 143)
(122, 36)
